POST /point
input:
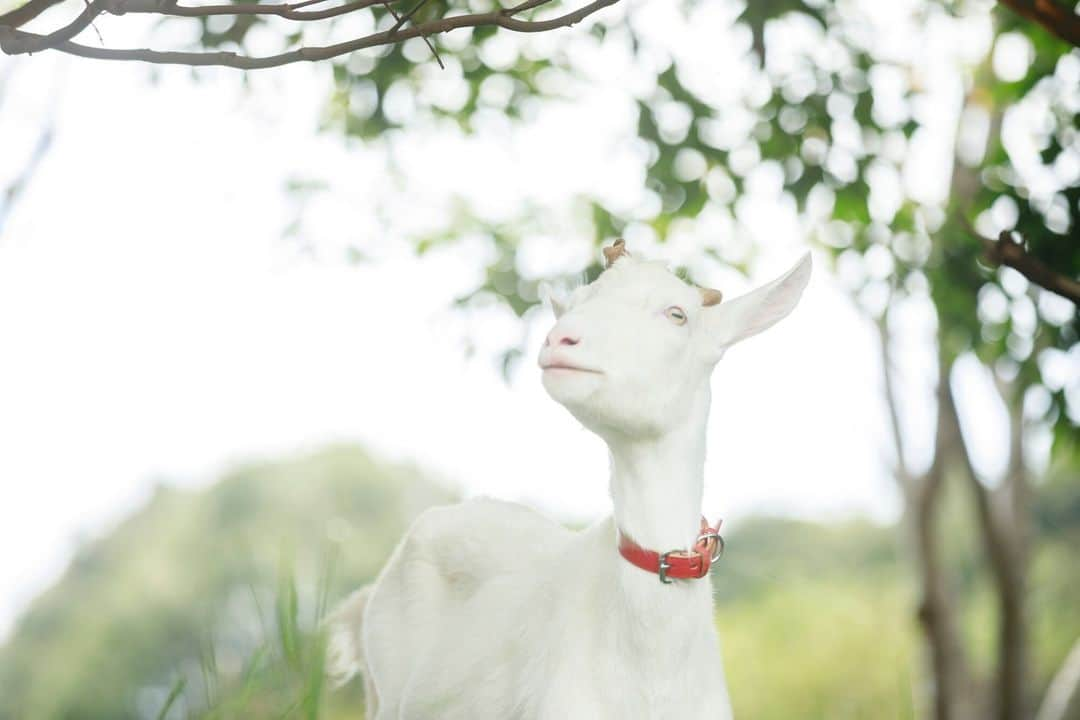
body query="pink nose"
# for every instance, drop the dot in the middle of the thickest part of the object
(561, 336)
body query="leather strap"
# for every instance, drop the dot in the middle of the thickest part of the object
(677, 564)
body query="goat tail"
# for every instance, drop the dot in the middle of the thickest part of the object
(345, 644)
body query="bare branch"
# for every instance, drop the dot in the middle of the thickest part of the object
(522, 7)
(168, 7)
(306, 3)
(427, 42)
(16, 42)
(96, 31)
(991, 525)
(1058, 19)
(407, 16)
(287, 11)
(24, 14)
(1007, 251)
(67, 32)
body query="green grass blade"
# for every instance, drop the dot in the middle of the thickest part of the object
(174, 695)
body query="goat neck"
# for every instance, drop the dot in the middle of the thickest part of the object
(657, 483)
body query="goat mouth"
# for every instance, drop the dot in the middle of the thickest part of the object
(568, 367)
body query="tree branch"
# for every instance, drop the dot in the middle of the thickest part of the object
(29, 43)
(76, 26)
(407, 16)
(1007, 251)
(989, 521)
(287, 11)
(25, 13)
(522, 7)
(169, 7)
(397, 18)
(1059, 20)
(16, 42)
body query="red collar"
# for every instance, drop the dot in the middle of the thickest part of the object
(678, 564)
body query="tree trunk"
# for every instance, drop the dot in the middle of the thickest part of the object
(952, 687)
(1002, 516)
(1012, 582)
(1012, 652)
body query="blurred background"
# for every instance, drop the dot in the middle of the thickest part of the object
(252, 323)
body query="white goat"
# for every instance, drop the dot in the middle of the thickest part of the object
(488, 610)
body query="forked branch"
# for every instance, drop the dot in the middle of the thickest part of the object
(14, 41)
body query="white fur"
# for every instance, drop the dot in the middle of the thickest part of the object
(489, 610)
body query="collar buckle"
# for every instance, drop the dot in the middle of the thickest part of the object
(663, 567)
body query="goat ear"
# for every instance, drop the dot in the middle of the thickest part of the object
(554, 298)
(735, 320)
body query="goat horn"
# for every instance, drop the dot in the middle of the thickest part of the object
(710, 297)
(615, 251)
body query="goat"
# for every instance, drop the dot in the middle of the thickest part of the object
(487, 609)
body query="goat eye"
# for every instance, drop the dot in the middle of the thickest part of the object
(676, 315)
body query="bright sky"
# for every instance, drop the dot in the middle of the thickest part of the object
(155, 325)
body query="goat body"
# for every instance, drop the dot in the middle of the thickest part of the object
(488, 609)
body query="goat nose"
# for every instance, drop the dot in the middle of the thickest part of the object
(561, 336)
